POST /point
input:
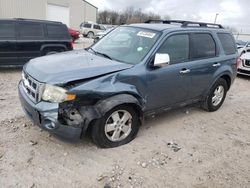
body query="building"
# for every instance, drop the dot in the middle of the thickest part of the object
(70, 12)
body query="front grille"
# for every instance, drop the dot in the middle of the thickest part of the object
(32, 87)
(244, 71)
(247, 63)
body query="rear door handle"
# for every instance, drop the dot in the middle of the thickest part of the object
(184, 71)
(216, 64)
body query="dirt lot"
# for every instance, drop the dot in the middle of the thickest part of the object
(213, 149)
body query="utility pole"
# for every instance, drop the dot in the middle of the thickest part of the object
(215, 19)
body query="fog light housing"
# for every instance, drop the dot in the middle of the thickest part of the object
(48, 124)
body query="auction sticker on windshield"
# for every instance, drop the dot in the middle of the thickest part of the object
(146, 34)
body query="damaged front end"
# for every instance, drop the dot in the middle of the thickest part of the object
(45, 115)
(93, 97)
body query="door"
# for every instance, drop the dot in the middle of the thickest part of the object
(169, 85)
(58, 13)
(8, 54)
(96, 28)
(204, 63)
(29, 40)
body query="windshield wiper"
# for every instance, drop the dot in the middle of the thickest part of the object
(91, 50)
(99, 53)
(104, 55)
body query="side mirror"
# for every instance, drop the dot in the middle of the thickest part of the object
(161, 60)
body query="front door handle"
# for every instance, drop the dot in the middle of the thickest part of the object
(216, 64)
(185, 71)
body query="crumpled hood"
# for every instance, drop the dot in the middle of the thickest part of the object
(70, 66)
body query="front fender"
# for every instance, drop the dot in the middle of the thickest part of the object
(107, 104)
(90, 113)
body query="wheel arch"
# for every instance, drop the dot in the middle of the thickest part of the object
(52, 46)
(91, 113)
(121, 99)
(224, 75)
(228, 79)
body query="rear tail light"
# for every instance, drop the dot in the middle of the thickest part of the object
(238, 61)
(72, 44)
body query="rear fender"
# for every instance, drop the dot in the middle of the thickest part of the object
(217, 76)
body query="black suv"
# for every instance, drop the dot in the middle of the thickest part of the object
(23, 39)
(133, 71)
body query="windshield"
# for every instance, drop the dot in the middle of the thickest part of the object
(127, 44)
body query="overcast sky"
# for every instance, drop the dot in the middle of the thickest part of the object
(231, 12)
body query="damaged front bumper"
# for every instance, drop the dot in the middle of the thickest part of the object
(45, 115)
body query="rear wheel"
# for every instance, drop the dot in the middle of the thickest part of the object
(52, 51)
(216, 96)
(90, 35)
(117, 127)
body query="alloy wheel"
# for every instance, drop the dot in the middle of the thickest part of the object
(118, 125)
(218, 95)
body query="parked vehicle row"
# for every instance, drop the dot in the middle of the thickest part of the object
(24, 39)
(134, 71)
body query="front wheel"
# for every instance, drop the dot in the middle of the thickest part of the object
(216, 96)
(117, 127)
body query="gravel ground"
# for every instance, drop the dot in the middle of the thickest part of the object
(182, 148)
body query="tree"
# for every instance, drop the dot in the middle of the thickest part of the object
(128, 16)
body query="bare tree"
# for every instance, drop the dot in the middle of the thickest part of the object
(129, 15)
(232, 29)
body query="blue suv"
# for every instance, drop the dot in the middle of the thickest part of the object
(134, 71)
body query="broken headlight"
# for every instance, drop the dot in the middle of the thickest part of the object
(56, 94)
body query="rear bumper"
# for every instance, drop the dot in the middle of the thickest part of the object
(45, 115)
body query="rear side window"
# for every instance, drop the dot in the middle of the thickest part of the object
(87, 25)
(227, 43)
(177, 47)
(30, 30)
(57, 31)
(97, 27)
(203, 46)
(7, 30)
(102, 27)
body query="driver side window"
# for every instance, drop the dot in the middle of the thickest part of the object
(177, 47)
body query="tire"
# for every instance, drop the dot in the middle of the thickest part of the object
(216, 96)
(90, 35)
(51, 52)
(110, 131)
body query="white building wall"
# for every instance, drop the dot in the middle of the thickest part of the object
(80, 10)
(35, 9)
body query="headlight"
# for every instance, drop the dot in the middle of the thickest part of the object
(56, 94)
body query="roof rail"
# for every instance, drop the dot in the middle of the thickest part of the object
(187, 23)
(37, 20)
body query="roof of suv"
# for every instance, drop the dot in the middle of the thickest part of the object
(31, 20)
(158, 27)
(161, 25)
